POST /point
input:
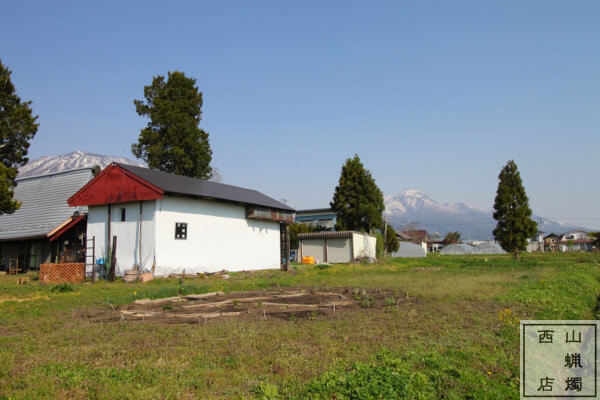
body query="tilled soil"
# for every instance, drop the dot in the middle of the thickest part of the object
(292, 303)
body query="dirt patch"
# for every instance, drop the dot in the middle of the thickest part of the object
(289, 304)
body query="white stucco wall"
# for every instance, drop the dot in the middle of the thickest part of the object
(364, 245)
(219, 237)
(127, 233)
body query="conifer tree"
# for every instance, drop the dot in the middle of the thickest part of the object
(392, 244)
(357, 200)
(17, 127)
(172, 141)
(511, 210)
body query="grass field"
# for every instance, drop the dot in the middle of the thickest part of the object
(454, 335)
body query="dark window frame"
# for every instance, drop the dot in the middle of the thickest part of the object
(181, 230)
(123, 214)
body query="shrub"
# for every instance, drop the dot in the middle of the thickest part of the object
(63, 288)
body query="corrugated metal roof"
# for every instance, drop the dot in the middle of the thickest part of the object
(43, 204)
(330, 235)
(178, 184)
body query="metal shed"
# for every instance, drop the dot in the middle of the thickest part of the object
(337, 247)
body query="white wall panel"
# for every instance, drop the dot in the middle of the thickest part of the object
(127, 233)
(219, 237)
(364, 245)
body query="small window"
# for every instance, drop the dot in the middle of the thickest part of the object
(181, 230)
(123, 214)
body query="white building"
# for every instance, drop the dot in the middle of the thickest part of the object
(168, 223)
(576, 240)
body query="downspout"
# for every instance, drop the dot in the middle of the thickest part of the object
(109, 250)
(140, 241)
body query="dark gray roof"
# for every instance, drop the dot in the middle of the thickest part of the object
(184, 185)
(43, 204)
(315, 210)
(331, 235)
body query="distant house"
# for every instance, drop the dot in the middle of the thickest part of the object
(536, 243)
(419, 237)
(551, 242)
(324, 217)
(168, 223)
(44, 229)
(575, 240)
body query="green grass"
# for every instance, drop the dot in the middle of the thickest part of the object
(456, 335)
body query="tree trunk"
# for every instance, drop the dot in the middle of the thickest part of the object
(516, 255)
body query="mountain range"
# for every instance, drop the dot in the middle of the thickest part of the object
(82, 159)
(410, 209)
(413, 209)
(74, 160)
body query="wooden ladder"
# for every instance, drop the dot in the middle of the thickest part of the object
(92, 256)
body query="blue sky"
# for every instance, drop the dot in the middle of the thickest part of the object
(432, 95)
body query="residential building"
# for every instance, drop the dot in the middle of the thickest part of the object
(536, 243)
(324, 217)
(575, 240)
(44, 229)
(551, 242)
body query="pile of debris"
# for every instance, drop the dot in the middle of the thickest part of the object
(293, 303)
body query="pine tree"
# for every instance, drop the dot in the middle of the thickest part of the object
(17, 128)
(511, 210)
(172, 141)
(357, 200)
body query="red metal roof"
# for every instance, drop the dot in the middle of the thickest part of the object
(115, 185)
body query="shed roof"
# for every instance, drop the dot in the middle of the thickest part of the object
(330, 235)
(43, 204)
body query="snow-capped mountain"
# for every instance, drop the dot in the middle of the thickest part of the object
(73, 160)
(413, 209)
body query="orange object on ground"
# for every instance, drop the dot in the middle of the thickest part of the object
(308, 260)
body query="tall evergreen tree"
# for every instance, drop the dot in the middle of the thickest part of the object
(392, 244)
(357, 200)
(511, 210)
(17, 127)
(172, 141)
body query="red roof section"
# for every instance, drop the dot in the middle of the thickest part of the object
(115, 185)
(66, 227)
